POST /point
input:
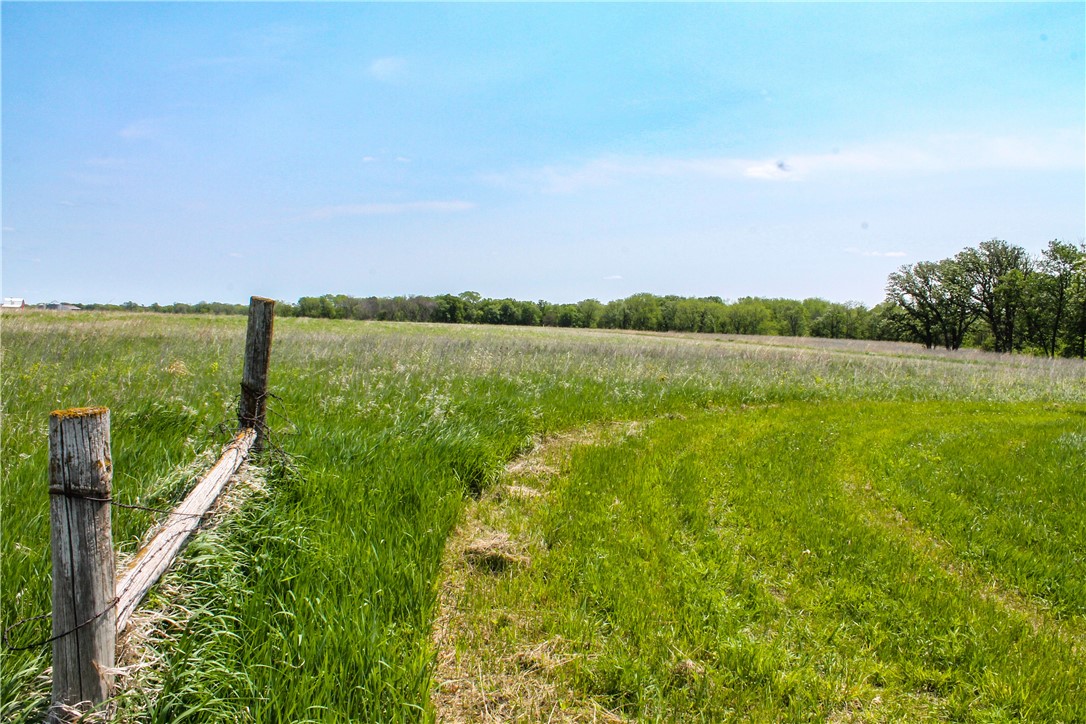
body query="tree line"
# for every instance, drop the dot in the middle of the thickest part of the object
(993, 296)
(647, 312)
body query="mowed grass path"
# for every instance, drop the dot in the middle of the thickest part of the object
(316, 601)
(857, 561)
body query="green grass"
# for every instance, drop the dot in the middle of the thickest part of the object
(771, 563)
(317, 600)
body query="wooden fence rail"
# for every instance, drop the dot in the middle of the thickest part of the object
(90, 605)
(154, 558)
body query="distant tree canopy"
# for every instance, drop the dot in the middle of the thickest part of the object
(993, 296)
(643, 311)
(176, 308)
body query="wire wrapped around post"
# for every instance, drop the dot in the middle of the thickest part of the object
(252, 408)
(84, 622)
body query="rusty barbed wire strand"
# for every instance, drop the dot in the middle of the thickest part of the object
(51, 639)
(272, 448)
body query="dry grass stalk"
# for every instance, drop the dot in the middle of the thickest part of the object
(495, 552)
(141, 665)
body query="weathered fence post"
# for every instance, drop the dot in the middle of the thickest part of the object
(84, 622)
(254, 375)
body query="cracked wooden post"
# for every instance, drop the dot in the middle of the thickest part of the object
(254, 376)
(84, 621)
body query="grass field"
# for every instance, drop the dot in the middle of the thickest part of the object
(855, 560)
(717, 527)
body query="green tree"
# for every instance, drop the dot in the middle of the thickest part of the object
(450, 309)
(615, 315)
(747, 316)
(643, 312)
(569, 315)
(1074, 334)
(530, 314)
(791, 317)
(591, 310)
(936, 299)
(996, 272)
(857, 321)
(1048, 296)
(472, 303)
(831, 322)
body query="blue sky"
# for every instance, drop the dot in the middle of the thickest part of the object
(183, 152)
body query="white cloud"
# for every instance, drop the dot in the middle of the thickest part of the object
(388, 70)
(613, 277)
(947, 153)
(390, 209)
(9, 229)
(770, 171)
(861, 252)
(612, 170)
(376, 159)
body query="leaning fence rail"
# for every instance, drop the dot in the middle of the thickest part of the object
(153, 559)
(90, 604)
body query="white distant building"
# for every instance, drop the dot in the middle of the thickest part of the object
(13, 303)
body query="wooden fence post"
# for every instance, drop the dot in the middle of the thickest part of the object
(254, 375)
(84, 622)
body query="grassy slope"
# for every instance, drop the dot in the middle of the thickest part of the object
(324, 592)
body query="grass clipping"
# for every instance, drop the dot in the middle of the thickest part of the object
(482, 672)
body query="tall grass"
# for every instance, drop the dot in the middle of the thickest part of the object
(325, 589)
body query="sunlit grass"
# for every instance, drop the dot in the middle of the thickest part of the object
(326, 586)
(771, 564)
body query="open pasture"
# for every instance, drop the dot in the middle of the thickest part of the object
(802, 531)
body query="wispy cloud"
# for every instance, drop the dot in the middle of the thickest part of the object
(864, 252)
(612, 277)
(609, 171)
(948, 153)
(9, 229)
(383, 158)
(391, 209)
(388, 70)
(771, 171)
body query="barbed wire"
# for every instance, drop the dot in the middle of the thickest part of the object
(132, 506)
(270, 447)
(7, 641)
